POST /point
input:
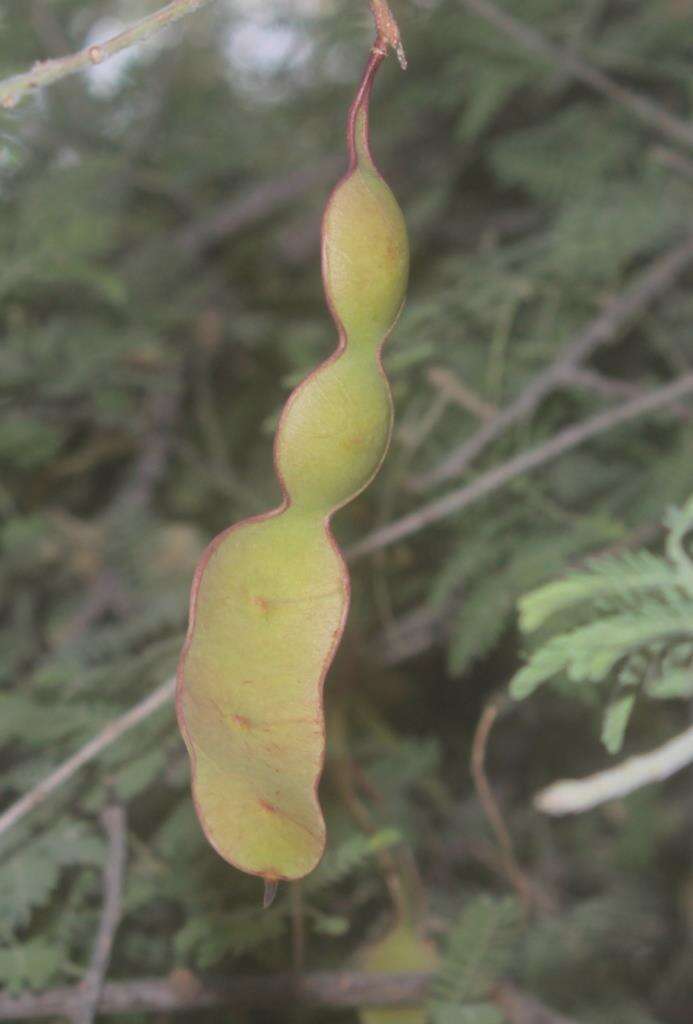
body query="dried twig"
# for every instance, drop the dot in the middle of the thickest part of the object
(316, 990)
(647, 287)
(114, 824)
(572, 796)
(645, 109)
(499, 476)
(16, 88)
(108, 735)
(326, 989)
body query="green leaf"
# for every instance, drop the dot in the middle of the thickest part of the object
(480, 948)
(617, 577)
(348, 857)
(30, 877)
(206, 939)
(587, 654)
(680, 524)
(33, 964)
(615, 721)
(544, 663)
(677, 682)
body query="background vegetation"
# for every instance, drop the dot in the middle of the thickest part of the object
(159, 288)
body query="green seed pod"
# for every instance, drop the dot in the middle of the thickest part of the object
(270, 596)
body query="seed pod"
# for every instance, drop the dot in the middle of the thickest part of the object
(270, 595)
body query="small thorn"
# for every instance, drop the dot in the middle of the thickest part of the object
(269, 893)
(96, 54)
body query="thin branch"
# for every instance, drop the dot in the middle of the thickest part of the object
(108, 735)
(648, 286)
(413, 632)
(16, 88)
(321, 989)
(572, 796)
(455, 390)
(499, 476)
(489, 804)
(646, 110)
(331, 990)
(114, 823)
(235, 214)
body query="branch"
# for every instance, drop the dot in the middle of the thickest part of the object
(233, 215)
(108, 735)
(326, 989)
(501, 475)
(332, 990)
(646, 110)
(648, 286)
(571, 796)
(16, 88)
(113, 819)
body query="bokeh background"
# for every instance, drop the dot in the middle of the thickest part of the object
(159, 295)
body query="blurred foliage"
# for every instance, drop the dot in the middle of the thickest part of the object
(637, 628)
(155, 306)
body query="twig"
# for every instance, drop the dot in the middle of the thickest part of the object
(572, 796)
(316, 990)
(413, 632)
(611, 387)
(646, 110)
(648, 286)
(16, 88)
(489, 804)
(108, 735)
(455, 390)
(113, 819)
(321, 989)
(501, 475)
(676, 161)
(237, 213)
